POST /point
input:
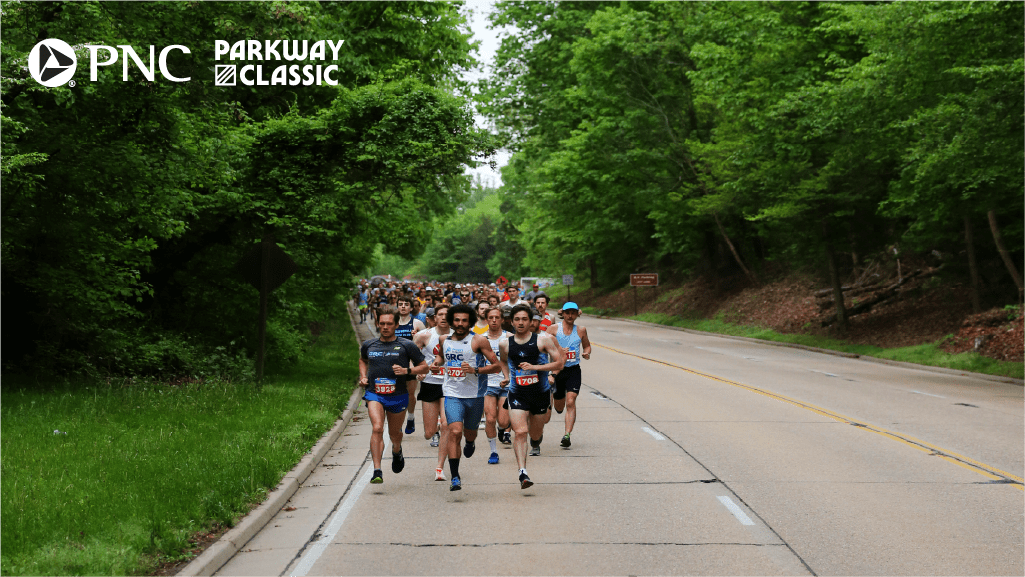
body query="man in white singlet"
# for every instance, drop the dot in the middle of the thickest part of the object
(468, 360)
(494, 411)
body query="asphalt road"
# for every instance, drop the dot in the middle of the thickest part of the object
(692, 455)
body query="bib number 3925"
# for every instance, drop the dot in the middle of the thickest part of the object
(383, 386)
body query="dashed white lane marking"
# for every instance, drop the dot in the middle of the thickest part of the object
(653, 433)
(740, 515)
(928, 394)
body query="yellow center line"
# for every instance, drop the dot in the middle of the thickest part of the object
(960, 460)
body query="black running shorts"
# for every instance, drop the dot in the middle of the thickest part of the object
(567, 381)
(429, 392)
(535, 402)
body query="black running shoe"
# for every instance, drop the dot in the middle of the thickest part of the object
(378, 477)
(468, 449)
(565, 440)
(525, 481)
(397, 462)
(506, 438)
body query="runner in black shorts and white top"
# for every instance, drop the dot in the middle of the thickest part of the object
(383, 368)
(430, 395)
(575, 345)
(528, 383)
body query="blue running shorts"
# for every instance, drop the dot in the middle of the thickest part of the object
(469, 411)
(392, 403)
(497, 392)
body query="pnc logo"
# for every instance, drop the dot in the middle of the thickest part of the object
(52, 62)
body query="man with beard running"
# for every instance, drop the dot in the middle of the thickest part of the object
(467, 359)
(431, 395)
(529, 396)
(574, 344)
(383, 366)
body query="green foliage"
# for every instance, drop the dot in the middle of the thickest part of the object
(138, 466)
(677, 134)
(126, 204)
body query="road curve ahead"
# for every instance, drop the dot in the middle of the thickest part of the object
(693, 455)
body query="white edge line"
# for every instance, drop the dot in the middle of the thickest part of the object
(311, 556)
(653, 433)
(928, 394)
(737, 512)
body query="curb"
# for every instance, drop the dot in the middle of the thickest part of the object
(222, 550)
(871, 359)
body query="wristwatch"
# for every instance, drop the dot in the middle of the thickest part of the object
(475, 371)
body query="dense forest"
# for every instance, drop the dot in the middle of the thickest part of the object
(126, 204)
(687, 138)
(719, 137)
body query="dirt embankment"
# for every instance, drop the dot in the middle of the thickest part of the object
(911, 310)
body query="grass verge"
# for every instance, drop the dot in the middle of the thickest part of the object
(927, 354)
(115, 478)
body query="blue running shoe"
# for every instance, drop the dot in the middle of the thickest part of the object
(456, 484)
(493, 459)
(410, 426)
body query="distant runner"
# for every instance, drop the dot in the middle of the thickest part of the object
(574, 344)
(383, 366)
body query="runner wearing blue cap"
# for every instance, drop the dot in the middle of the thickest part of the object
(574, 344)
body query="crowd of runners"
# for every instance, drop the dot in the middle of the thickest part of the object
(468, 351)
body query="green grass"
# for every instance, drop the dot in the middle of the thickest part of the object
(143, 466)
(926, 354)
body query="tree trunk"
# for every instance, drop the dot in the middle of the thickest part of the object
(1004, 254)
(736, 256)
(973, 268)
(593, 264)
(834, 279)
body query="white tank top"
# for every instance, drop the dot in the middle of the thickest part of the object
(459, 383)
(495, 379)
(436, 376)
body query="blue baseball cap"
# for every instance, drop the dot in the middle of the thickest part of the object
(571, 306)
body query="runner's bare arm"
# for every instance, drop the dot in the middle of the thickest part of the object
(420, 369)
(363, 368)
(585, 342)
(556, 359)
(503, 356)
(418, 325)
(482, 346)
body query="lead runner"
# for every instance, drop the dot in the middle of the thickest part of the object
(383, 366)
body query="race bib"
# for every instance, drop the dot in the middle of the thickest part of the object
(383, 386)
(455, 371)
(526, 378)
(571, 355)
(438, 371)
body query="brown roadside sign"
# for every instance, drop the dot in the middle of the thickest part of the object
(281, 266)
(644, 279)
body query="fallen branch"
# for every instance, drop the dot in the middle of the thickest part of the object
(884, 295)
